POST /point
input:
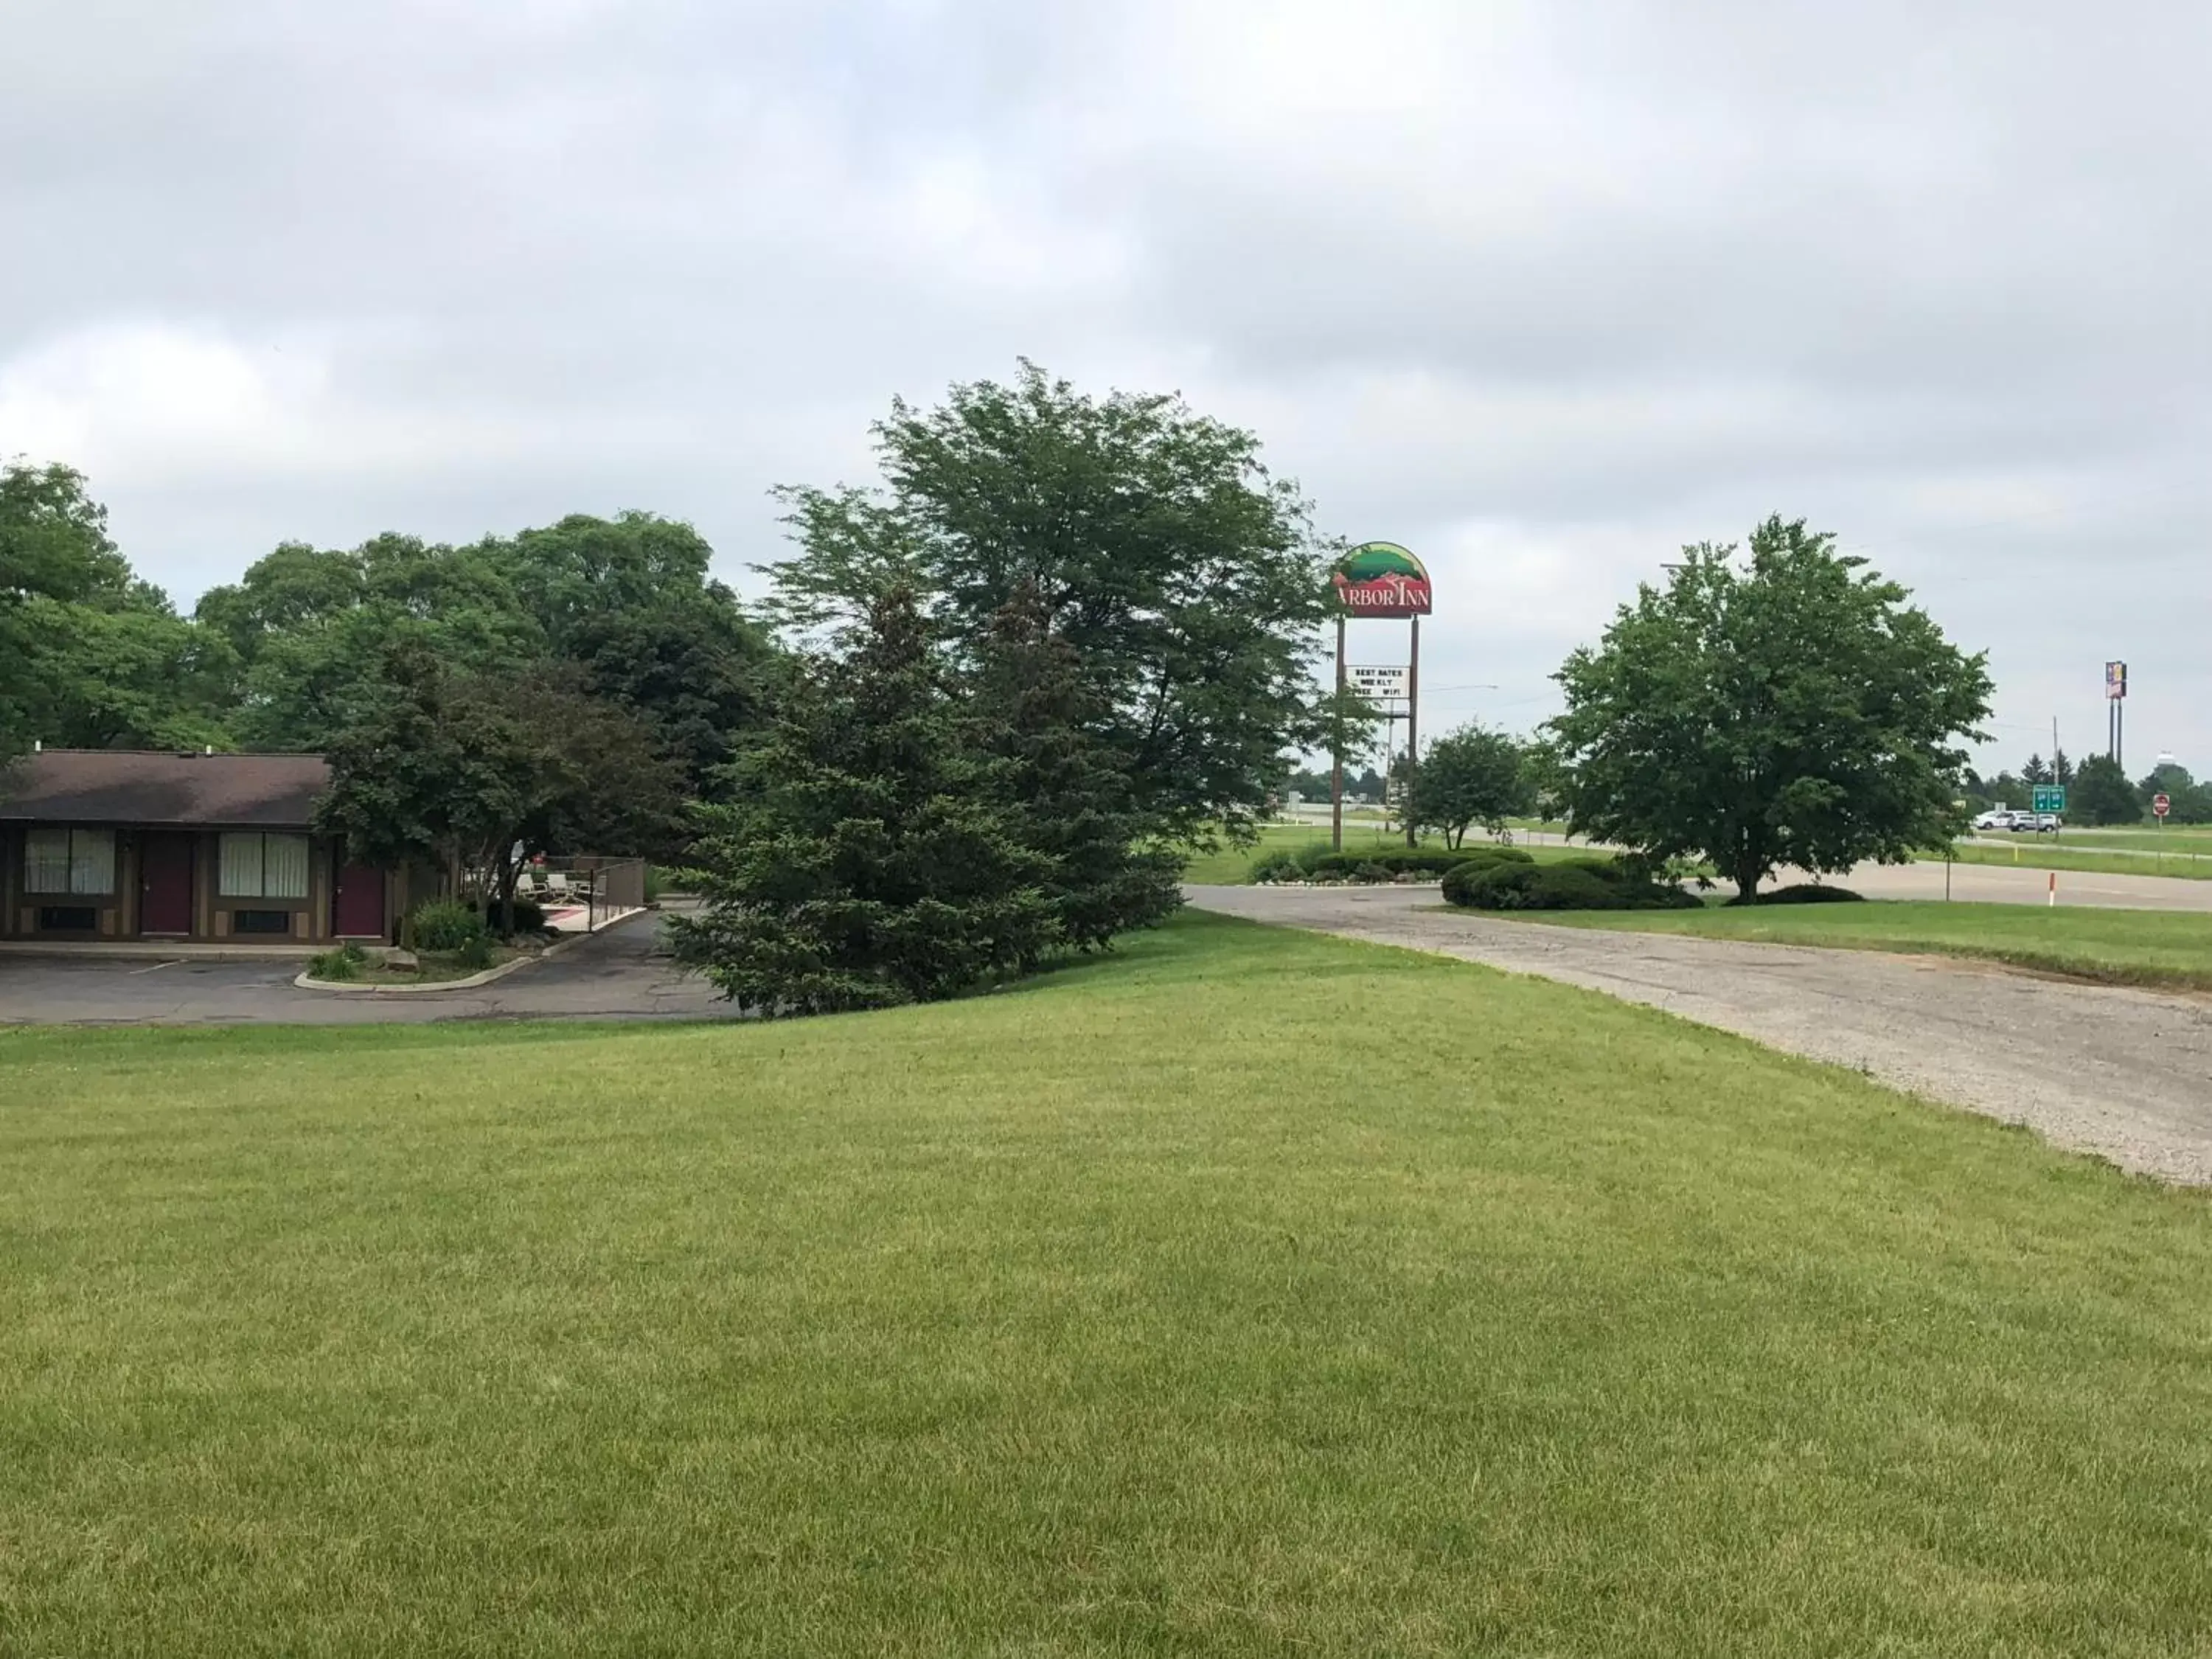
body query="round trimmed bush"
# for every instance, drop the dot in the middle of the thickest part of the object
(1597, 863)
(1576, 884)
(1506, 886)
(446, 924)
(1570, 887)
(529, 917)
(1805, 893)
(1493, 855)
(1280, 864)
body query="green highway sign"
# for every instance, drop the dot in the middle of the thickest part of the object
(2047, 798)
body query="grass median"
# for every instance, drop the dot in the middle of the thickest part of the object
(1249, 1291)
(2050, 855)
(2118, 947)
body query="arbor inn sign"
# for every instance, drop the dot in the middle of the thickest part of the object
(1382, 578)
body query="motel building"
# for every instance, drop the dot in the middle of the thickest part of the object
(116, 846)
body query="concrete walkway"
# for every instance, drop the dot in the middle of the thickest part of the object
(621, 973)
(2124, 1073)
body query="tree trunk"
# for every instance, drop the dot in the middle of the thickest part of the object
(1749, 868)
(510, 873)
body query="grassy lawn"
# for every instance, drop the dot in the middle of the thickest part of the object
(2176, 838)
(2134, 947)
(1248, 1292)
(2046, 854)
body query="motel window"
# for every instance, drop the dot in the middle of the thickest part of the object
(259, 866)
(78, 862)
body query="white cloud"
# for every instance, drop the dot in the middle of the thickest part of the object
(1543, 289)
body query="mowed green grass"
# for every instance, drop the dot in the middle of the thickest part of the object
(2174, 838)
(2050, 855)
(2149, 947)
(1249, 1292)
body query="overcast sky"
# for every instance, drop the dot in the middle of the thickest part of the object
(1542, 291)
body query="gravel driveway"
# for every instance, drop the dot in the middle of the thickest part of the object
(2124, 1073)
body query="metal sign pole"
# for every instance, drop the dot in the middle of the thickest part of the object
(1336, 753)
(1413, 728)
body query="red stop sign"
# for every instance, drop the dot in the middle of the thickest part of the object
(2161, 804)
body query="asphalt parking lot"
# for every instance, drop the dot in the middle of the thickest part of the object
(622, 974)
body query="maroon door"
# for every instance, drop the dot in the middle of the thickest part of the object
(358, 908)
(165, 885)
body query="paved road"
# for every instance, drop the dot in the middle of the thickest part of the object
(2124, 1073)
(621, 974)
(2026, 884)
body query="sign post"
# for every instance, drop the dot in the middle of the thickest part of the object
(1384, 580)
(1336, 754)
(2116, 710)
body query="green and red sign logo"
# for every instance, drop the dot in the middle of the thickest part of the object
(1382, 578)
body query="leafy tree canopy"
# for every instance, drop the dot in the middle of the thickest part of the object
(626, 601)
(90, 656)
(1786, 709)
(1471, 776)
(869, 853)
(1186, 580)
(2191, 801)
(2100, 793)
(476, 771)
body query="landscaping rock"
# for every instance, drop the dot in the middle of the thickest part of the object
(402, 962)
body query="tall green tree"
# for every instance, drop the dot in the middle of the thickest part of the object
(868, 853)
(1071, 796)
(628, 602)
(1789, 707)
(2101, 793)
(1471, 776)
(478, 772)
(2189, 800)
(1187, 580)
(90, 656)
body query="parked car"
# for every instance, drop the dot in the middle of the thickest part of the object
(2000, 819)
(2047, 823)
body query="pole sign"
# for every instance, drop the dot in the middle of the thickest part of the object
(2047, 798)
(1382, 578)
(2116, 681)
(2160, 805)
(1379, 684)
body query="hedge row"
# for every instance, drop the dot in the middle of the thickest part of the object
(1376, 864)
(1577, 883)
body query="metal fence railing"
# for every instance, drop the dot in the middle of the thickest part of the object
(603, 888)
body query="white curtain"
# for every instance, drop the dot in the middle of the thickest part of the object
(92, 863)
(46, 861)
(284, 867)
(239, 871)
(263, 866)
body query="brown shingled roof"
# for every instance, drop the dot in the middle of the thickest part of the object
(98, 786)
